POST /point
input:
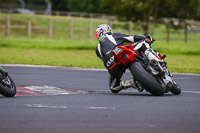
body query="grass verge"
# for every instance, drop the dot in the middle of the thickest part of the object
(67, 58)
(174, 47)
(181, 57)
(85, 59)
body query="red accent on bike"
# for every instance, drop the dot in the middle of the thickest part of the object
(159, 56)
(126, 56)
(148, 39)
(113, 66)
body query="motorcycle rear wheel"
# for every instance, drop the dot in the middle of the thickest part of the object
(7, 87)
(146, 79)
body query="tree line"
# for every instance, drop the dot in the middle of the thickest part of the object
(90, 6)
(132, 10)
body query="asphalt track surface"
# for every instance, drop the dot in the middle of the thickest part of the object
(69, 100)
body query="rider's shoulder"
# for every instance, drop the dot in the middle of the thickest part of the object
(118, 33)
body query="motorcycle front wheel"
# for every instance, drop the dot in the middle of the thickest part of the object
(7, 87)
(146, 79)
(176, 90)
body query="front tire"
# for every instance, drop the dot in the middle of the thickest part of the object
(146, 79)
(176, 90)
(7, 87)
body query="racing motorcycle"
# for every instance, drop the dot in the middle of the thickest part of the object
(7, 86)
(153, 76)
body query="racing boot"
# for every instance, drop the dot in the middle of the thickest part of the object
(116, 89)
(127, 83)
(131, 83)
(124, 84)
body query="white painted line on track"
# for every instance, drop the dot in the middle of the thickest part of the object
(196, 92)
(101, 108)
(65, 107)
(46, 106)
(184, 78)
(24, 65)
(187, 74)
(59, 67)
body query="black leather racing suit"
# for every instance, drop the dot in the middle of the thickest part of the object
(104, 51)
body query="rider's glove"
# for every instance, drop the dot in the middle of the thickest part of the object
(149, 39)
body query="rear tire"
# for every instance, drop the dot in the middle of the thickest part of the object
(8, 89)
(146, 79)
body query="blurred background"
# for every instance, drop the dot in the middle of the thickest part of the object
(71, 24)
(174, 19)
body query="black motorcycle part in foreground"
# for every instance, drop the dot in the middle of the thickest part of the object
(7, 86)
(146, 79)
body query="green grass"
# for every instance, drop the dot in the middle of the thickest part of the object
(85, 59)
(181, 57)
(183, 63)
(175, 47)
(42, 43)
(67, 58)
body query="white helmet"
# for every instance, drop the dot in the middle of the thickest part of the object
(102, 30)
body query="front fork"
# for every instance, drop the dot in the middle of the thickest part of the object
(168, 77)
(3, 73)
(169, 82)
(2, 69)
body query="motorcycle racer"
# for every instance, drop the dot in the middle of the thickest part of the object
(108, 41)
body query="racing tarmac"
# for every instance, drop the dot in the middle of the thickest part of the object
(74, 100)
